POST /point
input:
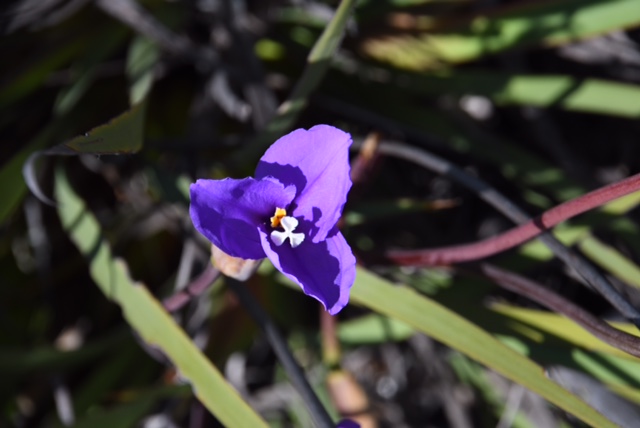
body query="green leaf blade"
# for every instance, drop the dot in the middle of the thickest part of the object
(147, 316)
(449, 328)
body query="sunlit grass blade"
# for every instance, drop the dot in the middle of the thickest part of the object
(611, 259)
(373, 329)
(147, 316)
(566, 329)
(440, 323)
(533, 22)
(620, 373)
(559, 91)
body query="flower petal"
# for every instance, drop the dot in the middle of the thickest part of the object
(348, 423)
(325, 270)
(316, 162)
(229, 212)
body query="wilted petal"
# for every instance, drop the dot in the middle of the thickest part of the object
(316, 162)
(234, 267)
(229, 212)
(325, 270)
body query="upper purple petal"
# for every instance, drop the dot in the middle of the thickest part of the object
(325, 270)
(316, 162)
(229, 212)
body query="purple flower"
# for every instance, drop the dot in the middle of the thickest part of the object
(287, 213)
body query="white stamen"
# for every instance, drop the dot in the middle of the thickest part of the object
(289, 224)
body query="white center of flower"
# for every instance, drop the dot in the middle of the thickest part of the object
(289, 224)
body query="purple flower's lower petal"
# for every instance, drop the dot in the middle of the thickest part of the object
(325, 270)
(348, 423)
(317, 163)
(229, 212)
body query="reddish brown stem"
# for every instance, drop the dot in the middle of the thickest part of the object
(198, 286)
(329, 335)
(536, 292)
(520, 234)
(363, 163)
